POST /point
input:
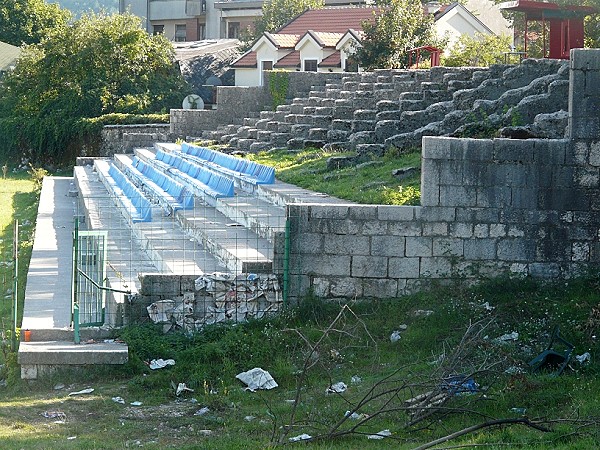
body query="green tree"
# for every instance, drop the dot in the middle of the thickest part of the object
(98, 65)
(275, 14)
(399, 26)
(479, 50)
(29, 21)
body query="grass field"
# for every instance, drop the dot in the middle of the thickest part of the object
(18, 202)
(465, 351)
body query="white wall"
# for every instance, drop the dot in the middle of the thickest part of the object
(310, 50)
(490, 15)
(247, 77)
(454, 24)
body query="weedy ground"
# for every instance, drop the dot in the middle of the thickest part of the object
(445, 331)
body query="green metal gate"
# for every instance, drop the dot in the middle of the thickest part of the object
(89, 277)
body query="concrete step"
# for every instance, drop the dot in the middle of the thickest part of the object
(340, 124)
(324, 110)
(263, 136)
(321, 121)
(328, 102)
(363, 125)
(297, 108)
(283, 108)
(343, 112)
(273, 125)
(262, 123)
(337, 135)
(259, 146)
(284, 127)
(387, 105)
(280, 139)
(244, 144)
(370, 149)
(300, 130)
(317, 134)
(365, 114)
(250, 121)
(411, 95)
(40, 358)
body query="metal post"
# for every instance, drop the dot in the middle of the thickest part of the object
(74, 286)
(15, 286)
(286, 262)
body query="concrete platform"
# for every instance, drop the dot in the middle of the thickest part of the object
(47, 295)
(38, 358)
(47, 308)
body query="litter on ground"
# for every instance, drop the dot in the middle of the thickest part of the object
(337, 388)
(181, 388)
(257, 378)
(301, 437)
(161, 363)
(380, 435)
(82, 392)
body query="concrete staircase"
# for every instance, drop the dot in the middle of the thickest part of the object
(47, 308)
(373, 112)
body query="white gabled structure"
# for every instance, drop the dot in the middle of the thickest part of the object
(454, 20)
(323, 40)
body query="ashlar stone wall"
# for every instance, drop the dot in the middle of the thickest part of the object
(489, 207)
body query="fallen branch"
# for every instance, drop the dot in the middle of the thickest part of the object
(491, 423)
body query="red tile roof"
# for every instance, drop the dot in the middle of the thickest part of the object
(246, 61)
(330, 20)
(333, 60)
(291, 60)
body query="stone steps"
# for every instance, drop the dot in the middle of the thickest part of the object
(371, 101)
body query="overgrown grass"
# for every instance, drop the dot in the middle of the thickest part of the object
(18, 201)
(359, 346)
(371, 182)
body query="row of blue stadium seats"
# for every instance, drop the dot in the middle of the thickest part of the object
(180, 197)
(132, 197)
(216, 184)
(250, 171)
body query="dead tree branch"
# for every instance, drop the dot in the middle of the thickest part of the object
(491, 423)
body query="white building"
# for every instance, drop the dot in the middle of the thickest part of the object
(323, 40)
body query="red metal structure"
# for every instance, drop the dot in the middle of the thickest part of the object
(565, 24)
(433, 51)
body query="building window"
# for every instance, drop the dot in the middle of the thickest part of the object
(158, 29)
(180, 33)
(233, 30)
(201, 31)
(310, 65)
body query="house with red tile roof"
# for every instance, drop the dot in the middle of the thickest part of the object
(322, 40)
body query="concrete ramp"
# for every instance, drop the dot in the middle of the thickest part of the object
(47, 308)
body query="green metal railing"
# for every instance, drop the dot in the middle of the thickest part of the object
(91, 289)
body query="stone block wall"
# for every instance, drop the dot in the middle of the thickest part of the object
(234, 103)
(489, 207)
(124, 138)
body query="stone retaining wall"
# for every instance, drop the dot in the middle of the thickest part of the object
(236, 102)
(124, 138)
(489, 207)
